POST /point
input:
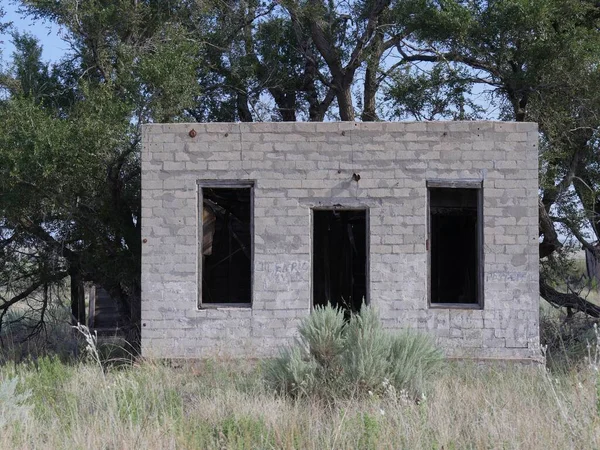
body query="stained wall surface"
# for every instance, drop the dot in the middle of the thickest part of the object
(297, 167)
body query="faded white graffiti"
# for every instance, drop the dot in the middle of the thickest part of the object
(506, 276)
(279, 275)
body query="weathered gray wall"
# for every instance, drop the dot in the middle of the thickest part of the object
(297, 166)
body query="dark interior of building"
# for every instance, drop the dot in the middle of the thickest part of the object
(226, 245)
(454, 245)
(340, 258)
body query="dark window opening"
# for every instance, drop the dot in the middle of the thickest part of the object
(455, 245)
(340, 258)
(226, 245)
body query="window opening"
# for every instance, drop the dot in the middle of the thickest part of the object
(226, 245)
(340, 258)
(455, 245)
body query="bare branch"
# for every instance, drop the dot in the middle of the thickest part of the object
(567, 300)
(31, 289)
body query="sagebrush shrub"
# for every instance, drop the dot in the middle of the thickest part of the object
(365, 361)
(413, 359)
(324, 335)
(333, 358)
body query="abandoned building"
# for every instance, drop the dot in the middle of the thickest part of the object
(247, 226)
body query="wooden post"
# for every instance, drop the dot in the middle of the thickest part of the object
(92, 306)
(77, 299)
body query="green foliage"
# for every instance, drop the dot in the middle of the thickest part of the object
(220, 404)
(70, 137)
(54, 334)
(519, 50)
(4, 27)
(366, 357)
(413, 358)
(371, 430)
(70, 131)
(569, 343)
(439, 93)
(243, 432)
(131, 406)
(528, 60)
(296, 372)
(335, 359)
(29, 69)
(325, 335)
(47, 379)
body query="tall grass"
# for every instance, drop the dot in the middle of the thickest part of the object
(214, 405)
(565, 338)
(23, 338)
(13, 405)
(68, 403)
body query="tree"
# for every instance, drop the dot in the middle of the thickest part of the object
(293, 60)
(70, 141)
(70, 132)
(539, 61)
(252, 66)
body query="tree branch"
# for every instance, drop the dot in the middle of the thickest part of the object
(448, 56)
(550, 243)
(569, 300)
(31, 289)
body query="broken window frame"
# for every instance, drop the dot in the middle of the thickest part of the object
(476, 184)
(222, 184)
(366, 210)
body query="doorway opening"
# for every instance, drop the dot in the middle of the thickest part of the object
(340, 256)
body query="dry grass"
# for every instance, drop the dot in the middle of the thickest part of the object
(76, 404)
(225, 405)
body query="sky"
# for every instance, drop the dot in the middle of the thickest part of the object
(48, 33)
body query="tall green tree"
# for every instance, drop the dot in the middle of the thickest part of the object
(538, 61)
(293, 60)
(70, 131)
(70, 141)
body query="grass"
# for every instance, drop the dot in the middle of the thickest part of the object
(214, 405)
(79, 403)
(71, 401)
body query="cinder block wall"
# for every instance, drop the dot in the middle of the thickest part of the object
(298, 166)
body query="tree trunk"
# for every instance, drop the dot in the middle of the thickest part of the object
(288, 115)
(370, 89)
(243, 110)
(371, 84)
(550, 243)
(317, 109)
(344, 98)
(286, 104)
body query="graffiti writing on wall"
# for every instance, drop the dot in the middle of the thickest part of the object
(507, 276)
(279, 275)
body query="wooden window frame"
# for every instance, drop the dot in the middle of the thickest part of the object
(458, 184)
(222, 184)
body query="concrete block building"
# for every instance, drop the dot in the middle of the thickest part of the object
(247, 226)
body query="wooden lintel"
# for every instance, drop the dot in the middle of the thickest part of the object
(468, 183)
